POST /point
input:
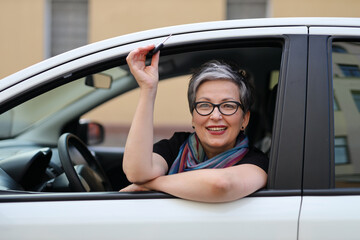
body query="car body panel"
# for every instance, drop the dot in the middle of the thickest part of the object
(248, 218)
(352, 31)
(329, 217)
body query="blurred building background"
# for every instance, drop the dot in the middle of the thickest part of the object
(33, 30)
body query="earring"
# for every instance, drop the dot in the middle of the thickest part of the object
(193, 127)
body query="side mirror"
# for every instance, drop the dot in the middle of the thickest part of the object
(99, 80)
(91, 133)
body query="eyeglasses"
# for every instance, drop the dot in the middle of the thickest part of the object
(226, 108)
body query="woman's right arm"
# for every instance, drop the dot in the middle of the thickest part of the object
(140, 163)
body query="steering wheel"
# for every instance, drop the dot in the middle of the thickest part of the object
(85, 177)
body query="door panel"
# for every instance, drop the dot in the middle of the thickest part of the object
(332, 217)
(248, 218)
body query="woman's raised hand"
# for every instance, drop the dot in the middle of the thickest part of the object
(139, 163)
(146, 76)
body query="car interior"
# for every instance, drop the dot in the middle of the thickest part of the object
(44, 146)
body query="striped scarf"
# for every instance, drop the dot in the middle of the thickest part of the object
(192, 156)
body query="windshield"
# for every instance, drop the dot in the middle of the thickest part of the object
(37, 109)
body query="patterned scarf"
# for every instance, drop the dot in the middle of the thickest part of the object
(192, 156)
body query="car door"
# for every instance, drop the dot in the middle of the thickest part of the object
(330, 206)
(271, 213)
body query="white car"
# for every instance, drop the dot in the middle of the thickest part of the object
(306, 118)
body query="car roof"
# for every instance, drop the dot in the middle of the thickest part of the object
(175, 30)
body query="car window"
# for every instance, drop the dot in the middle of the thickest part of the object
(346, 84)
(61, 108)
(33, 111)
(262, 64)
(48, 104)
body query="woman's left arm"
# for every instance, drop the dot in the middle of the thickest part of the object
(211, 185)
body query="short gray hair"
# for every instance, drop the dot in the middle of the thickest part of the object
(214, 70)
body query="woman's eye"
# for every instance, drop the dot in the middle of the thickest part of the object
(204, 105)
(229, 106)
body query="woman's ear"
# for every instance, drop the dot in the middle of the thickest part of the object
(246, 119)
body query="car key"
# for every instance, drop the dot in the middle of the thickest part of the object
(158, 47)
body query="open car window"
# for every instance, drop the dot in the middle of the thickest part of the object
(34, 126)
(260, 60)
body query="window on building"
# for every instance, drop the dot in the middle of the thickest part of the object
(68, 25)
(338, 49)
(336, 105)
(350, 70)
(237, 9)
(356, 97)
(341, 156)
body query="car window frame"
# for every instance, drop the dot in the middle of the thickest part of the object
(291, 74)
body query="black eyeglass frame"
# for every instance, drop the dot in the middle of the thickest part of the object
(238, 104)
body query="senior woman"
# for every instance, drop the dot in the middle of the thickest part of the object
(213, 164)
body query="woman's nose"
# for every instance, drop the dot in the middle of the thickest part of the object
(216, 114)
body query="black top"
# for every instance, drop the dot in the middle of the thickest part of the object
(169, 149)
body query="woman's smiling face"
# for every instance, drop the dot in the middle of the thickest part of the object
(218, 132)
